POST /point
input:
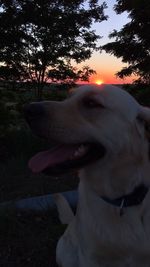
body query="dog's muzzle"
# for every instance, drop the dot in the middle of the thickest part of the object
(62, 157)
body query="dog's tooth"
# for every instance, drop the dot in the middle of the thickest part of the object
(81, 148)
(80, 151)
(84, 148)
(76, 153)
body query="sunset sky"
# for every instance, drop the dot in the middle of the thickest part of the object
(106, 65)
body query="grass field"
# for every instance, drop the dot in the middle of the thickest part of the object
(28, 240)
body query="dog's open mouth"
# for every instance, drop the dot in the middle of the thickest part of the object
(65, 157)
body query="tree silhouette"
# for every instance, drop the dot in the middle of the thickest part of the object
(41, 36)
(132, 42)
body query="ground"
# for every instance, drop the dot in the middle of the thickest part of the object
(29, 239)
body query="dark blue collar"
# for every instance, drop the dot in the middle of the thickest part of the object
(133, 199)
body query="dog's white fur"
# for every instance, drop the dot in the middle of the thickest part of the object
(97, 236)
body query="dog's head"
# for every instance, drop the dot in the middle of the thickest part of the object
(96, 123)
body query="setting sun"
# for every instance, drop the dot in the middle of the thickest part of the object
(99, 82)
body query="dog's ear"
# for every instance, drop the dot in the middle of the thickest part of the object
(144, 116)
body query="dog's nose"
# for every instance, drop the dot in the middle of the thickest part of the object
(34, 111)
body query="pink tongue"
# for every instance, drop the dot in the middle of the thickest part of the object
(48, 158)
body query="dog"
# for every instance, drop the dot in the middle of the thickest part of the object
(103, 132)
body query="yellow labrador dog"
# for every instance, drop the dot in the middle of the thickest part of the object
(102, 131)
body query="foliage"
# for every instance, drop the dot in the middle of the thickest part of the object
(140, 92)
(42, 38)
(11, 108)
(69, 74)
(132, 42)
(9, 73)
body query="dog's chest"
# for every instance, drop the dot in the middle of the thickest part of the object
(111, 242)
(129, 261)
(108, 255)
(103, 243)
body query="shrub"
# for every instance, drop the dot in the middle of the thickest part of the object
(140, 92)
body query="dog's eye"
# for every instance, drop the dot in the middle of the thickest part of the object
(91, 103)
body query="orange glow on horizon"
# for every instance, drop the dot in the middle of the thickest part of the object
(110, 78)
(99, 82)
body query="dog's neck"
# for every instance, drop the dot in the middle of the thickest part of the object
(113, 182)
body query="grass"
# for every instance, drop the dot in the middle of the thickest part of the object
(28, 240)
